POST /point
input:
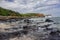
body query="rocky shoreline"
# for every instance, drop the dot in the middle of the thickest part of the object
(28, 32)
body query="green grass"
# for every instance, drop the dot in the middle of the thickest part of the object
(7, 12)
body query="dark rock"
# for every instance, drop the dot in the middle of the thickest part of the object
(6, 29)
(47, 25)
(24, 32)
(58, 31)
(56, 23)
(52, 33)
(24, 27)
(48, 20)
(55, 33)
(27, 20)
(14, 28)
(49, 29)
(3, 36)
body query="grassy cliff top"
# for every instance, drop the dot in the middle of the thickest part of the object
(6, 12)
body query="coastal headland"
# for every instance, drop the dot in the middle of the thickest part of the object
(9, 14)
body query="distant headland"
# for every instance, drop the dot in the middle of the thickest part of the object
(7, 14)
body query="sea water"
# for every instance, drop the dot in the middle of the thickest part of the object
(56, 22)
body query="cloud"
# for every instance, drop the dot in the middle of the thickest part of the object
(9, 0)
(30, 5)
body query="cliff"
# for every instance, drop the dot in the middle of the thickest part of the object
(6, 13)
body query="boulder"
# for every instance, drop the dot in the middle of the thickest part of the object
(48, 20)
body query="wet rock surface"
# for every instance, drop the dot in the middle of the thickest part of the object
(29, 32)
(31, 35)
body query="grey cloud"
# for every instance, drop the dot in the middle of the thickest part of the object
(30, 5)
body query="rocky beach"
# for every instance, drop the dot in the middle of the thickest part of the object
(20, 30)
(29, 19)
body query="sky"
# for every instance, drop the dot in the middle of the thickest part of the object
(36, 6)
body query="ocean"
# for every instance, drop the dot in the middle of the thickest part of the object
(56, 21)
